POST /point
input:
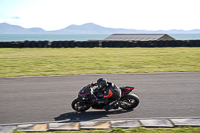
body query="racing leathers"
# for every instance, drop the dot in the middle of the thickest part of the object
(110, 96)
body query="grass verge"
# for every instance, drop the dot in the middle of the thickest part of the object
(62, 61)
(135, 130)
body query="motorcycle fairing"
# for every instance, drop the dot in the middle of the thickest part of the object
(84, 93)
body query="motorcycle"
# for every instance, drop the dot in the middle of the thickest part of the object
(88, 93)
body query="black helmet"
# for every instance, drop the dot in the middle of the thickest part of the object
(102, 82)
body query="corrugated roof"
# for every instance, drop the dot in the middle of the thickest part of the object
(134, 37)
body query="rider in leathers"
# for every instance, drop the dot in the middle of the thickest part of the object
(110, 94)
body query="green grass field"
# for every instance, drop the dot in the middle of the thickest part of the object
(61, 61)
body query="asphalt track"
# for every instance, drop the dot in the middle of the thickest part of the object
(48, 98)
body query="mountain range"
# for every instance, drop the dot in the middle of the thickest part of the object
(88, 28)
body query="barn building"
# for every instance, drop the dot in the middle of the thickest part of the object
(138, 37)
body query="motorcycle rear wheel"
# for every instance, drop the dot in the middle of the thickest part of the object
(79, 106)
(132, 99)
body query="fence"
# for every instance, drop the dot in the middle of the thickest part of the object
(90, 44)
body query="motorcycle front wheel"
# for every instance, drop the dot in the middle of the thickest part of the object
(130, 101)
(79, 106)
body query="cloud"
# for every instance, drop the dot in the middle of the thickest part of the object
(15, 17)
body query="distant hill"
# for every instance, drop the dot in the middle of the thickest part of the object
(88, 28)
(15, 29)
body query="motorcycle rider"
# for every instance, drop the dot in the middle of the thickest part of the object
(110, 93)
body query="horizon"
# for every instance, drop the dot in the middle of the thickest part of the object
(101, 26)
(128, 14)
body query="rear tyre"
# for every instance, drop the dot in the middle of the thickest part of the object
(79, 106)
(132, 101)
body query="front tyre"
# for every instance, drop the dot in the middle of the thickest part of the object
(130, 101)
(79, 106)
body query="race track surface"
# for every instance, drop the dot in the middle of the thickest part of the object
(48, 98)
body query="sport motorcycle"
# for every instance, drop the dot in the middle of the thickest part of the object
(88, 95)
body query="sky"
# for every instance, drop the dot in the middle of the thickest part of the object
(127, 14)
